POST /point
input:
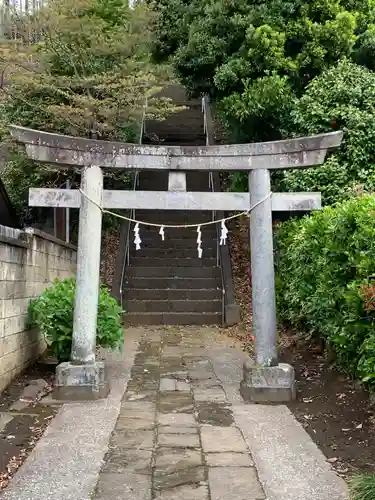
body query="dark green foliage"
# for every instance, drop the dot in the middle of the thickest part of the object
(341, 98)
(232, 48)
(325, 263)
(52, 313)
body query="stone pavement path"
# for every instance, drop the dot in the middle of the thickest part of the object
(175, 438)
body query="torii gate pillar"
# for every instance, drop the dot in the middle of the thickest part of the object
(267, 380)
(83, 377)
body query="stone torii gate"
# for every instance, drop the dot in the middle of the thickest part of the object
(83, 377)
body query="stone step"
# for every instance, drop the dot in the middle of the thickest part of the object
(173, 272)
(170, 283)
(177, 253)
(175, 243)
(173, 262)
(172, 294)
(172, 234)
(173, 318)
(179, 306)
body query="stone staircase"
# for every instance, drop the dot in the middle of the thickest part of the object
(166, 282)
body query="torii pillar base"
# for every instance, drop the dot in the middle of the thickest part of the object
(268, 384)
(81, 382)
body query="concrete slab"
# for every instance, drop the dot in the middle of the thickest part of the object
(168, 384)
(222, 439)
(186, 492)
(134, 424)
(175, 460)
(179, 440)
(235, 483)
(213, 394)
(170, 429)
(290, 465)
(192, 475)
(183, 419)
(66, 462)
(140, 439)
(112, 486)
(124, 461)
(229, 460)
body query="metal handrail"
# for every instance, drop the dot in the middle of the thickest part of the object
(132, 213)
(211, 185)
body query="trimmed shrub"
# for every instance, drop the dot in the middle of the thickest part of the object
(52, 313)
(325, 264)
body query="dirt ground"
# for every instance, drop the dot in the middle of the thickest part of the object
(22, 431)
(338, 414)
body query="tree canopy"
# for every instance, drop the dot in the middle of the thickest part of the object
(90, 71)
(77, 67)
(254, 56)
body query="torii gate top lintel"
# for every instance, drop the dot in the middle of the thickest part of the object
(75, 151)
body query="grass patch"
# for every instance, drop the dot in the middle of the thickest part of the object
(362, 487)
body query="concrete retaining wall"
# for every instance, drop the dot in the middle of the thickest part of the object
(29, 260)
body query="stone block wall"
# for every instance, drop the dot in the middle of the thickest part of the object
(29, 260)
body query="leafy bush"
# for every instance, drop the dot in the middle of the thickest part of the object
(362, 487)
(341, 98)
(52, 313)
(324, 267)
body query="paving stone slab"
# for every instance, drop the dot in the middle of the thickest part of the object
(210, 381)
(209, 394)
(177, 419)
(135, 424)
(123, 461)
(175, 429)
(229, 459)
(177, 375)
(222, 439)
(137, 406)
(187, 492)
(142, 440)
(172, 365)
(191, 475)
(150, 396)
(179, 402)
(215, 413)
(138, 409)
(141, 385)
(234, 483)
(168, 384)
(179, 440)
(182, 386)
(168, 461)
(171, 351)
(171, 339)
(118, 486)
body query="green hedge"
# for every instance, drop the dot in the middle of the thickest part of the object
(324, 269)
